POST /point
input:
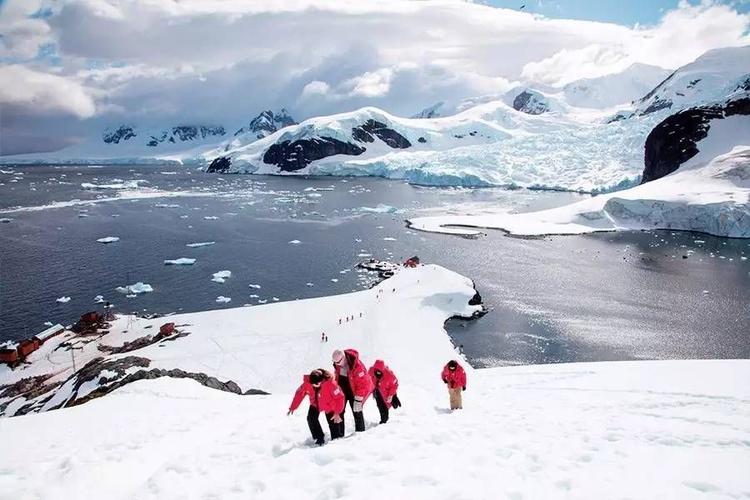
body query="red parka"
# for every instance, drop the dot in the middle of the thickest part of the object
(455, 378)
(387, 385)
(328, 398)
(359, 379)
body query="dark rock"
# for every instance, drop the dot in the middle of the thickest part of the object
(121, 133)
(475, 300)
(381, 131)
(296, 155)
(422, 140)
(219, 165)
(266, 123)
(673, 141)
(531, 103)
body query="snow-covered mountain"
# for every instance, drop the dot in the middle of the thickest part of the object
(614, 89)
(267, 122)
(130, 142)
(530, 136)
(154, 137)
(711, 77)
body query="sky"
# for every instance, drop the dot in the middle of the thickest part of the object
(70, 68)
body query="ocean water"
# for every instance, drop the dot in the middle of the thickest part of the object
(555, 299)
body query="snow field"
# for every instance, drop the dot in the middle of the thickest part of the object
(662, 429)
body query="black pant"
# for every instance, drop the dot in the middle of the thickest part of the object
(382, 407)
(337, 430)
(359, 418)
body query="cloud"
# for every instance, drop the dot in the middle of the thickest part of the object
(21, 34)
(43, 93)
(682, 35)
(224, 61)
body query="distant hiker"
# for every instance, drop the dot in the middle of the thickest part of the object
(323, 337)
(461, 349)
(352, 376)
(326, 396)
(386, 385)
(455, 377)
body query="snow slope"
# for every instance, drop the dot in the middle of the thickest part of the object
(709, 78)
(490, 144)
(244, 344)
(710, 194)
(637, 430)
(615, 89)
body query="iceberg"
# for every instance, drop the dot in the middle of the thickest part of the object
(182, 261)
(136, 288)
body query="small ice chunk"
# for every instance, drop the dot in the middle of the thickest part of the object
(254, 296)
(99, 299)
(221, 276)
(389, 238)
(200, 244)
(135, 288)
(47, 323)
(108, 239)
(223, 300)
(262, 301)
(182, 261)
(275, 299)
(254, 286)
(210, 217)
(63, 300)
(335, 280)
(310, 284)
(295, 242)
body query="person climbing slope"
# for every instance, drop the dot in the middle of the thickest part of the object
(385, 388)
(325, 396)
(455, 377)
(354, 380)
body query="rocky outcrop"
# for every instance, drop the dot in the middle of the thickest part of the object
(220, 165)
(366, 131)
(290, 156)
(674, 141)
(120, 134)
(185, 133)
(266, 123)
(531, 103)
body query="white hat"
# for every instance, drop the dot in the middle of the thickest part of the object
(337, 356)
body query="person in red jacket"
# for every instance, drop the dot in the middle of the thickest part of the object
(325, 396)
(455, 377)
(385, 386)
(354, 380)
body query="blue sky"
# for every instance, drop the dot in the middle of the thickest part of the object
(627, 12)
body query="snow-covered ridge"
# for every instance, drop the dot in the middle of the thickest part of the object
(711, 77)
(237, 350)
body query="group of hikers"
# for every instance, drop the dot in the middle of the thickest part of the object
(351, 382)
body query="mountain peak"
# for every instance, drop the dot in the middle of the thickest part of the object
(267, 122)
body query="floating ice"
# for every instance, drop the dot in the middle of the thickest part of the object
(389, 239)
(63, 300)
(335, 280)
(210, 217)
(379, 209)
(221, 276)
(99, 299)
(167, 205)
(182, 261)
(253, 286)
(117, 184)
(223, 300)
(309, 284)
(295, 242)
(5, 220)
(201, 244)
(135, 288)
(108, 239)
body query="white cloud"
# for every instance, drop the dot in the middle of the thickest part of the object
(43, 93)
(223, 61)
(315, 88)
(682, 35)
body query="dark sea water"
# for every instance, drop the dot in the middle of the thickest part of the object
(606, 296)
